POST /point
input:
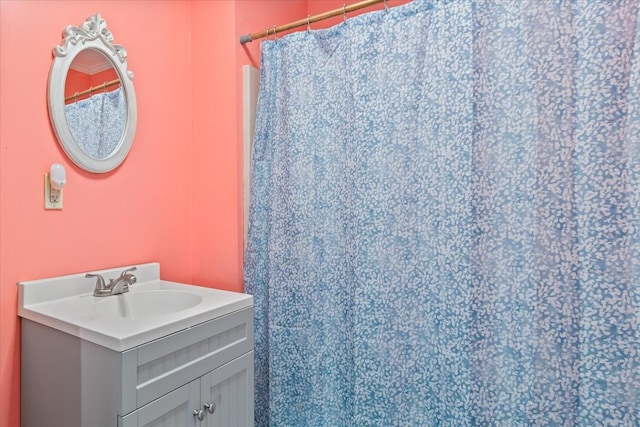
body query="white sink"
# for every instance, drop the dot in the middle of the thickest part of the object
(137, 305)
(151, 309)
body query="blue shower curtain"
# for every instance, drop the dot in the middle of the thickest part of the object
(445, 218)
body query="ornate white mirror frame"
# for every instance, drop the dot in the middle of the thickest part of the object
(92, 34)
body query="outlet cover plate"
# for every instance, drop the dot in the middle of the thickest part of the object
(49, 203)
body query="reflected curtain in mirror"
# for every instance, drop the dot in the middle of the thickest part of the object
(97, 123)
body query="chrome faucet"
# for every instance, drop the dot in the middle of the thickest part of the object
(115, 286)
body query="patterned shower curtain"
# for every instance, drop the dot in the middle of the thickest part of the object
(97, 123)
(445, 218)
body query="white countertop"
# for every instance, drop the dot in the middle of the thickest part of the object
(67, 303)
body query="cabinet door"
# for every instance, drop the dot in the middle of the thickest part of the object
(227, 394)
(174, 409)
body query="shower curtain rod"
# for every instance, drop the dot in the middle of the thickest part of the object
(309, 20)
(92, 89)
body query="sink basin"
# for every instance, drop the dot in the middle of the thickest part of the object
(152, 308)
(146, 304)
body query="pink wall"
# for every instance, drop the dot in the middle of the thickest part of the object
(177, 198)
(142, 211)
(216, 203)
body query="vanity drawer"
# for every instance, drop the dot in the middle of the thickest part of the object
(161, 366)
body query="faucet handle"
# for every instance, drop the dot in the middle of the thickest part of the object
(128, 270)
(100, 285)
(128, 278)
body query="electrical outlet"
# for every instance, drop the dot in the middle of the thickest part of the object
(52, 197)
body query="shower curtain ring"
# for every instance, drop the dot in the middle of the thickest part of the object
(275, 34)
(344, 13)
(308, 22)
(386, 6)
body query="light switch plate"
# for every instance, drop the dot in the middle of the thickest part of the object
(54, 202)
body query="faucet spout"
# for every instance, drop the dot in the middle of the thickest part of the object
(117, 286)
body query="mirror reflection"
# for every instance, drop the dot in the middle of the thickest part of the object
(95, 106)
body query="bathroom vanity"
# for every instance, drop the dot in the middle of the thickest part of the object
(162, 354)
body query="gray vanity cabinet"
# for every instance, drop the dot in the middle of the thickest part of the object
(174, 409)
(76, 383)
(223, 397)
(230, 390)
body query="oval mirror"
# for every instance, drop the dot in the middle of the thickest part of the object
(92, 103)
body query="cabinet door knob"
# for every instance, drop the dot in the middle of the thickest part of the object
(199, 413)
(211, 407)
